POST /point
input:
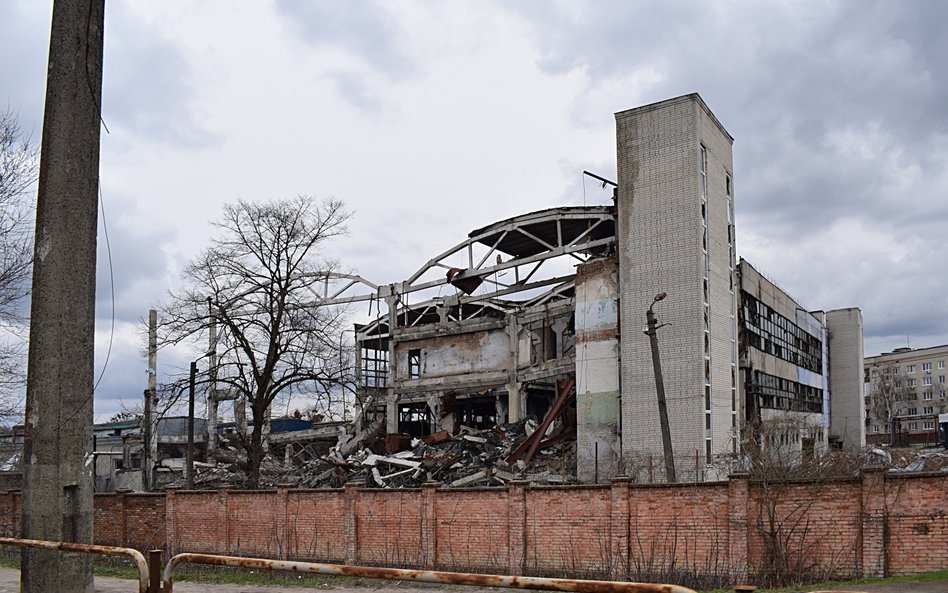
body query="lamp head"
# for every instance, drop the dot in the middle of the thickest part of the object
(659, 297)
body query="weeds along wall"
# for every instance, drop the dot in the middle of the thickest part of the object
(711, 534)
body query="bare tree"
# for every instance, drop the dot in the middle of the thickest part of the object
(791, 551)
(887, 392)
(256, 283)
(18, 173)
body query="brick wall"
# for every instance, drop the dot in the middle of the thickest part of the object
(10, 505)
(871, 525)
(918, 524)
(130, 520)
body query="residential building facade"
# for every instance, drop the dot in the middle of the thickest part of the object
(906, 391)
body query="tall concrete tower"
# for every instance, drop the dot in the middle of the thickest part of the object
(676, 235)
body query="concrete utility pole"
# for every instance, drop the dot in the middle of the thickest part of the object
(210, 439)
(652, 333)
(57, 469)
(149, 423)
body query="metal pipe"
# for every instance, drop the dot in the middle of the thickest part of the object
(87, 549)
(425, 576)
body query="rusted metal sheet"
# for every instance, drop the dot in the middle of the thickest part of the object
(87, 549)
(435, 438)
(532, 443)
(426, 576)
(396, 442)
(467, 285)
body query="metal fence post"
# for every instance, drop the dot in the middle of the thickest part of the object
(154, 571)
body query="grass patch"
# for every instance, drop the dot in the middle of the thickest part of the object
(940, 575)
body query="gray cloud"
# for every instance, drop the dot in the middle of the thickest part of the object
(840, 112)
(148, 84)
(368, 30)
(25, 27)
(138, 267)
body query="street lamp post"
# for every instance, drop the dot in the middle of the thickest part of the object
(652, 333)
(189, 454)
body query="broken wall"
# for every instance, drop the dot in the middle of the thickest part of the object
(597, 370)
(460, 359)
(757, 364)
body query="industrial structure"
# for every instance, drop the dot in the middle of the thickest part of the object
(538, 319)
(787, 374)
(546, 314)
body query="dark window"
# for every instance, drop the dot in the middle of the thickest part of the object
(768, 331)
(774, 393)
(414, 363)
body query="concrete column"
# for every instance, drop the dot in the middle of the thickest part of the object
(738, 508)
(351, 491)
(429, 525)
(149, 420)
(391, 403)
(559, 326)
(874, 555)
(57, 481)
(619, 529)
(515, 411)
(391, 413)
(210, 427)
(517, 526)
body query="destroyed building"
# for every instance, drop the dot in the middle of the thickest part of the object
(786, 372)
(541, 316)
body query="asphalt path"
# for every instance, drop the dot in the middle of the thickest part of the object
(10, 583)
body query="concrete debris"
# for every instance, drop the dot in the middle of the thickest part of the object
(471, 458)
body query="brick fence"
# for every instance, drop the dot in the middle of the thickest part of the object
(872, 525)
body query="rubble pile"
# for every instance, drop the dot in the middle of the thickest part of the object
(471, 458)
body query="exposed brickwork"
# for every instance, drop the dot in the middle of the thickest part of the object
(388, 527)
(316, 525)
(568, 531)
(144, 521)
(871, 525)
(821, 524)
(687, 525)
(472, 530)
(11, 504)
(918, 524)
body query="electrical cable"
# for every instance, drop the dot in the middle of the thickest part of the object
(108, 248)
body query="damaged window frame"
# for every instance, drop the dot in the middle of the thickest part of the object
(415, 362)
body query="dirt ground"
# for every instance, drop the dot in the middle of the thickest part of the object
(10, 583)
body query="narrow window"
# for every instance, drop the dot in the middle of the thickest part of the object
(414, 363)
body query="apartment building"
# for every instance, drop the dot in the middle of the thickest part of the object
(905, 391)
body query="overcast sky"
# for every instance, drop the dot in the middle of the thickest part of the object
(432, 119)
